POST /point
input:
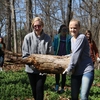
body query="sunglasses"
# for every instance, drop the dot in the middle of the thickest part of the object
(37, 26)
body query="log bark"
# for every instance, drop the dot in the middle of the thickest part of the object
(12, 53)
(46, 63)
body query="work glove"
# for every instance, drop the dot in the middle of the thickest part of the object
(67, 72)
(68, 55)
(98, 59)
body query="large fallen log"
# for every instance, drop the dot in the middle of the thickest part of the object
(12, 53)
(46, 63)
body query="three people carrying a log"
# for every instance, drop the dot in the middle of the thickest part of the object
(81, 65)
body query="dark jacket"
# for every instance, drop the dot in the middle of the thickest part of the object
(56, 44)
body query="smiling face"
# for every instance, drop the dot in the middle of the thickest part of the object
(74, 27)
(37, 27)
(88, 34)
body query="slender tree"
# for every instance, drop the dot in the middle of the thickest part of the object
(13, 17)
(8, 25)
(69, 12)
(28, 15)
(2, 14)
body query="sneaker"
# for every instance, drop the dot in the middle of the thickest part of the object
(56, 88)
(0, 69)
(61, 91)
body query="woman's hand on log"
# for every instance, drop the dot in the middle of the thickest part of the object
(68, 55)
(98, 59)
(67, 72)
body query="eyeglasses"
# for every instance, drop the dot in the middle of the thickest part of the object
(37, 26)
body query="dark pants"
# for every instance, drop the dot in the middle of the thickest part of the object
(37, 84)
(1, 61)
(57, 77)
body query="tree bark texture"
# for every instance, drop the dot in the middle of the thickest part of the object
(14, 25)
(46, 63)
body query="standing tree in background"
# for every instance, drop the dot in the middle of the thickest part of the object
(2, 15)
(92, 16)
(45, 6)
(13, 17)
(28, 15)
(69, 12)
(63, 11)
(88, 7)
(8, 25)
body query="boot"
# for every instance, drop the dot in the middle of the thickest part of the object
(56, 87)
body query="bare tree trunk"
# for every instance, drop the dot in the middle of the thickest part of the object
(62, 4)
(69, 13)
(1, 27)
(90, 16)
(89, 22)
(8, 25)
(14, 26)
(28, 15)
(49, 21)
(35, 8)
(20, 35)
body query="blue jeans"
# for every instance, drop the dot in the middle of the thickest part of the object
(85, 82)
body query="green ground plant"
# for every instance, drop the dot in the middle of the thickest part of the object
(15, 86)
